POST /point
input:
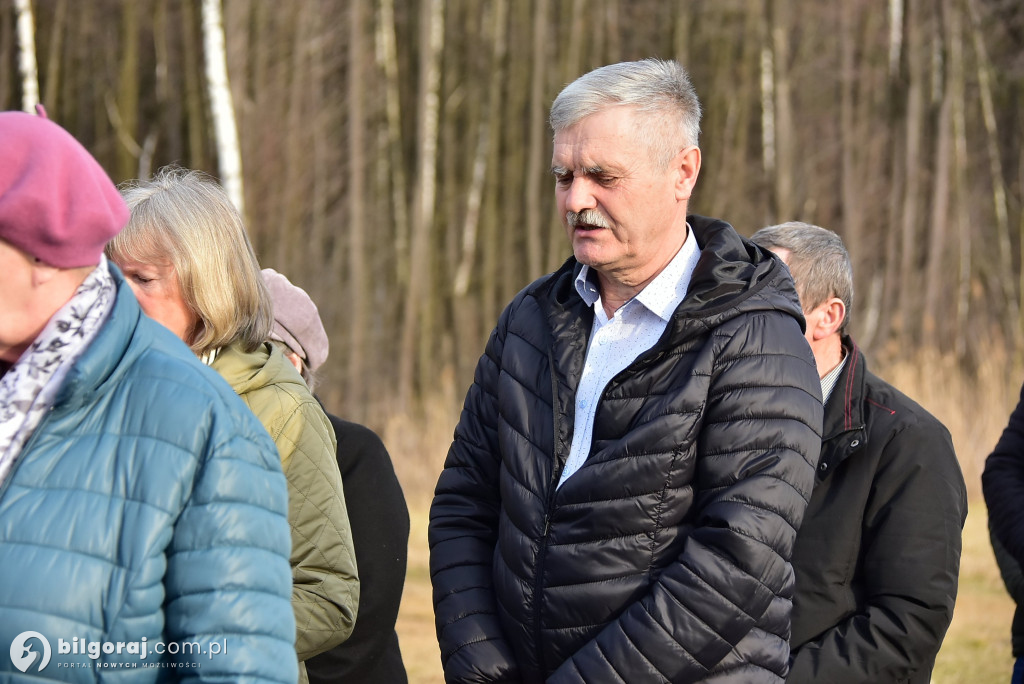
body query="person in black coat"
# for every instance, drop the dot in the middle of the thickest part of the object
(377, 510)
(637, 449)
(878, 556)
(1002, 484)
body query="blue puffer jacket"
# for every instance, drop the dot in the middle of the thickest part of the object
(148, 505)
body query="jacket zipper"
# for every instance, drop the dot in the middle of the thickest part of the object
(542, 551)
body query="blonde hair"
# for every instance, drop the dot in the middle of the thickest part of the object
(184, 217)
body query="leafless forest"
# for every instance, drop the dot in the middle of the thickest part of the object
(394, 153)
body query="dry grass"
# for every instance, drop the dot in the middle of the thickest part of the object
(974, 408)
(977, 645)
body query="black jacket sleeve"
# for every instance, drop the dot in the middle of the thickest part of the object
(463, 533)
(1002, 483)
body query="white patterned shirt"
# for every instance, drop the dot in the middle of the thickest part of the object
(616, 342)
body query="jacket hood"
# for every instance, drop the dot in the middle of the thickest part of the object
(732, 276)
(250, 371)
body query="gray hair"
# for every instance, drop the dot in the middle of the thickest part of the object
(818, 261)
(660, 92)
(185, 217)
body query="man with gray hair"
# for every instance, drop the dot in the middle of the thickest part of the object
(878, 555)
(637, 449)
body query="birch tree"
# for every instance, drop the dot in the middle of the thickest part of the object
(229, 156)
(27, 55)
(419, 290)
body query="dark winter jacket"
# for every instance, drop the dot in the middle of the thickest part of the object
(878, 555)
(380, 531)
(1013, 579)
(1003, 487)
(666, 556)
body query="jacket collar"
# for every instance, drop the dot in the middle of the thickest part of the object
(844, 410)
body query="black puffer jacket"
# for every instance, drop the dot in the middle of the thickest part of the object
(666, 556)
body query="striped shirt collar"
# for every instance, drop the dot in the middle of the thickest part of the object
(829, 380)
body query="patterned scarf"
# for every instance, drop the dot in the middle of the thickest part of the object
(28, 388)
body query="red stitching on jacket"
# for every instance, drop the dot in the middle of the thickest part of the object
(892, 412)
(848, 420)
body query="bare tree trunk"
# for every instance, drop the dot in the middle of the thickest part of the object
(126, 118)
(27, 56)
(6, 38)
(783, 118)
(419, 291)
(511, 257)
(769, 157)
(849, 186)
(999, 202)
(681, 33)
(485, 143)
(53, 58)
(728, 170)
(961, 194)
(229, 156)
(388, 61)
(469, 320)
(611, 27)
(359, 322)
(536, 136)
(193, 88)
(935, 273)
(884, 295)
(917, 77)
(294, 182)
(557, 249)
(895, 35)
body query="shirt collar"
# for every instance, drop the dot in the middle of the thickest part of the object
(662, 295)
(828, 383)
(586, 286)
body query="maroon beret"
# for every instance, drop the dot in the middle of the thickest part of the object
(56, 201)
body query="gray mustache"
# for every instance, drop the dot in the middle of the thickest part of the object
(589, 217)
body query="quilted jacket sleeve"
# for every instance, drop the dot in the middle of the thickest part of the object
(463, 533)
(756, 452)
(910, 564)
(325, 594)
(380, 530)
(233, 527)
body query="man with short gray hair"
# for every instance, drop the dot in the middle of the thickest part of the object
(637, 449)
(878, 555)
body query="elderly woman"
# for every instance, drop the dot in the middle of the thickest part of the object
(379, 514)
(186, 255)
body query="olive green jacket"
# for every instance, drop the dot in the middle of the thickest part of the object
(325, 589)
